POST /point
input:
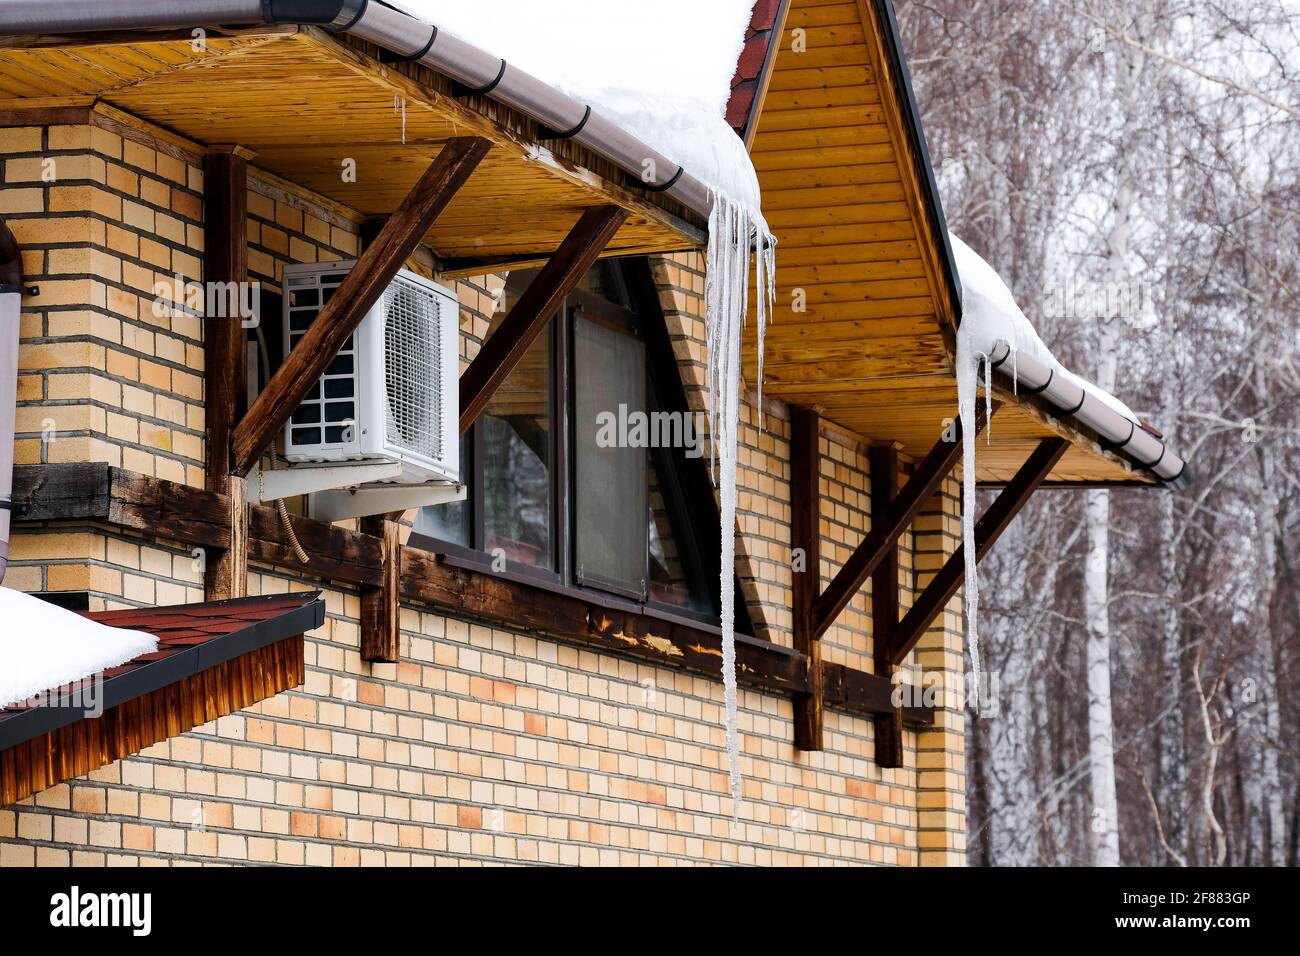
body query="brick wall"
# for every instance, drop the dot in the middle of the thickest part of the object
(483, 745)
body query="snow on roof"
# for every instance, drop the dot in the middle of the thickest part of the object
(989, 314)
(43, 646)
(662, 72)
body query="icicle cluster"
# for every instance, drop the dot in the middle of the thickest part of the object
(735, 233)
(969, 359)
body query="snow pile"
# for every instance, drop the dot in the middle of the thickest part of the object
(43, 646)
(989, 316)
(663, 74)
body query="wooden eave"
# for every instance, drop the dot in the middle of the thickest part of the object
(304, 101)
(845, 189)
(212, 660)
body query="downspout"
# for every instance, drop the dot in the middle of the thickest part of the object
(406, 39)
(11, 292)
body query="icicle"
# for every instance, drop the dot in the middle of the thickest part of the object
(988, 395)
(733, 232)
(399, 106)
(968, 360)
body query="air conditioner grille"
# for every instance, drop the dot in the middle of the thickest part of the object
(412, 367)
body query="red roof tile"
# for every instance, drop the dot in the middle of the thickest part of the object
(754, 57)
(208, 633)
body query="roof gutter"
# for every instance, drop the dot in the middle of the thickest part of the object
(1118, 433)
(11, 291)
(406, 39)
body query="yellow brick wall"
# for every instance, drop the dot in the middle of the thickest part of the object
(483, 745)
(104, 375)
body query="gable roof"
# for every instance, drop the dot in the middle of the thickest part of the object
(868, 294)
(212, 660)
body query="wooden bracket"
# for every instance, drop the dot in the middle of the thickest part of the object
(805, 537)
(884, 602)
(536, 306)
(381, 638)
(876, 557)
(225, 260)
(355, 296)
(988, 529)
(929, 474)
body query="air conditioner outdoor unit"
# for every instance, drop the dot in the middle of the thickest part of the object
(385, 413)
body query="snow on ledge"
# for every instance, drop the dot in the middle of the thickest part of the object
(43, 646)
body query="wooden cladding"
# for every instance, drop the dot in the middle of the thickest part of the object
(86, 745)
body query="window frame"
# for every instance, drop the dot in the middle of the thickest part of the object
(677, 489)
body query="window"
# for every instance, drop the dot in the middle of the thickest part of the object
(609, 472)
(568, 484)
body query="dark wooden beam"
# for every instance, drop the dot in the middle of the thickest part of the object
(97, 492)
(538, 303)
(929, 474)
(381, 638)
(225, 260)
(333, 553)
(153, 507)
(988, 529)
(805, 539)
(884, 602)
(356, 295)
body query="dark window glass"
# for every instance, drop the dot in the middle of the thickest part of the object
(675, 579)
(610, 436)
(450, 522)
(516, 449)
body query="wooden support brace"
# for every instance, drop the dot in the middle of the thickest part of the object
(805, 537)
(355, 296)
(381, 639)
(538, 303)
(225, 260)
(884, 602)
(929, 474)
(98, 492)
(988, 529)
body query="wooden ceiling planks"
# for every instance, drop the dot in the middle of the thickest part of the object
(842, 189)
(279, 93)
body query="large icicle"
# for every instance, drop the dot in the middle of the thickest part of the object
(734, 231)
(969, 357)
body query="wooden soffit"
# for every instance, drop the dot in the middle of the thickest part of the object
(311, 105)
(864, 326)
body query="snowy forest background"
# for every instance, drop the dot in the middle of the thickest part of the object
(1132, 169)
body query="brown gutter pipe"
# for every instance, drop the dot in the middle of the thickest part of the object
(11, 290)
